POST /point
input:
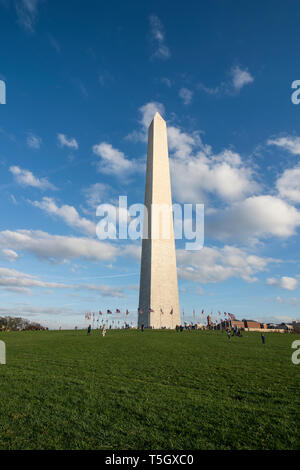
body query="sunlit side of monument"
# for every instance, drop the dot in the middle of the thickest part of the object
(158, 301)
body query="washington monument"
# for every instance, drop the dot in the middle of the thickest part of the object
(158, 302)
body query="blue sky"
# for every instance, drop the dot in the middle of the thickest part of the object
(83, 83)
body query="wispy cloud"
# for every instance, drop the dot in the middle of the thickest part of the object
(33, 141)
(27, 12)
(69, 142)
(68, 214)
(288, 283)
(166, 81)
(291, 301)
(161, 50)
(240, 77)
(17, 281)
(289, 143)
(9, 255)
(186, 95)
(59, 248)
(54, 43)
(27, 178)
(96, 193)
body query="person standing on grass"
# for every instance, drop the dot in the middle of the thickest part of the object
(142, 327)
(89, 329)
(104, 331)
(228, 334)
(263, 338)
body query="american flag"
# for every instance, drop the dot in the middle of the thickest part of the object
(161, 311)
(109, 311)
(171, 313)
(150, 310)
(202, 312)
(118, 310)
(140, 311)
(100, 313)
(127, 312)
(231, 316)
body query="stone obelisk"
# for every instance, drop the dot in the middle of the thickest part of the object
(158, 302)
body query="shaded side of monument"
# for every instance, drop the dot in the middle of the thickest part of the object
(158, 279)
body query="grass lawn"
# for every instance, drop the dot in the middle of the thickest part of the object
(153, 390)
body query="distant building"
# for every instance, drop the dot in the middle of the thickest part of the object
(251, 324)
(237, 324)
(296, 326)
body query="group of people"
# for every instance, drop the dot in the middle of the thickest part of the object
(103, 330)
(234, 332)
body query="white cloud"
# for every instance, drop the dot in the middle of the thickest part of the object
(27, 11)
(289, 283)
(69, 142)
(240, 78)
(27, 178)
(213, 264)
(114, 162)
(161, 50)
(9, 255)
(224, 174)
(57, 248)
(13, 278)
(67, 213)
(147, 112)
(288, 184)
(96, 193)
(33, 141)
(16, 281)
(182, 144)
(252, 218)
(186, 95)
(289, 143)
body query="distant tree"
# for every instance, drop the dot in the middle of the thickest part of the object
(18, 323)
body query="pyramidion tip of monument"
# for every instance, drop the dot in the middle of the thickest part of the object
(157, 117)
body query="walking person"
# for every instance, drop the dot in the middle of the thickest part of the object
(142, 327)
(263, 339)
(228, 334)
(104, 331)
(89, 329)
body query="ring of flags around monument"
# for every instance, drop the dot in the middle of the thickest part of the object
(92, 316)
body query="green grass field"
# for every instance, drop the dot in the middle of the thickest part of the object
(153, 390)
